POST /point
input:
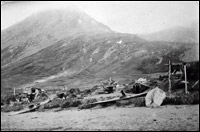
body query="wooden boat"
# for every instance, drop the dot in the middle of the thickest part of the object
(31, 108)
(120, 98)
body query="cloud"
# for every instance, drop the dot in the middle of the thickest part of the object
(126, 17)
(6, 2)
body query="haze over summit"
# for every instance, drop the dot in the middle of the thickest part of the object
(124, 17)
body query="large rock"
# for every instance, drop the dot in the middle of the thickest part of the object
(155, 97)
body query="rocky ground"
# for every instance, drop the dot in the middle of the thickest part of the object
(168, 117)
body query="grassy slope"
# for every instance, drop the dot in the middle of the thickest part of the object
(68, 62)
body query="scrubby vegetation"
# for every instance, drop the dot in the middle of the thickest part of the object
(6, 99)
(75, 98)
(70, 103)
(55, 103)
(86, 104)
(14, 107)
(182, 98)
(137, 102)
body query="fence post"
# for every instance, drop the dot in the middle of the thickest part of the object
(185, 72)
(169, 78)
(14, 91)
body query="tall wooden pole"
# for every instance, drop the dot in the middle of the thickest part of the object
(14, 91)
(186, 88)
(170, 87)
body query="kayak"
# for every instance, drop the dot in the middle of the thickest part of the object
(120, 98)
(31, 108)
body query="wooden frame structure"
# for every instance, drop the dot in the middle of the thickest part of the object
(185, 75)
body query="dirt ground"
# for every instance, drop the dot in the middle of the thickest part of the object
(169, 117)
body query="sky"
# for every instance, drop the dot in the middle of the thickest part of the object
(122, 16)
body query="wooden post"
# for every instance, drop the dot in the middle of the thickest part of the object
(169, 78)
(14, 91)
(186, 89)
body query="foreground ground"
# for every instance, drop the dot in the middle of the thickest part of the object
(174, 117)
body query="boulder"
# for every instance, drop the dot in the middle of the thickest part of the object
(155, 97)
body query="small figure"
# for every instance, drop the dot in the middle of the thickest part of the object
(123, 94)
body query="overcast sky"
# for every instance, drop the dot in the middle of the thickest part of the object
(126, 17)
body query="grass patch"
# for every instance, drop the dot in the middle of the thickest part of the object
(59, 103)
(70, 103)
(137, 102)
(55, 103)
(182, 98)
(86, 104)
(14, 107)
(6, 99)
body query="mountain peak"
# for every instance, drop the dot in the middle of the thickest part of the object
(67, 20)
(43, 29)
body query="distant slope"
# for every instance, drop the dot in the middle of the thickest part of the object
(188, 34)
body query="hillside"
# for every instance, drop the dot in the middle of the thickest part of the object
(69, 48)
(187, 34)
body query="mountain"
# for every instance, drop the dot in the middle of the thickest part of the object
(57, 48)
(44, 29)
(187, 34)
